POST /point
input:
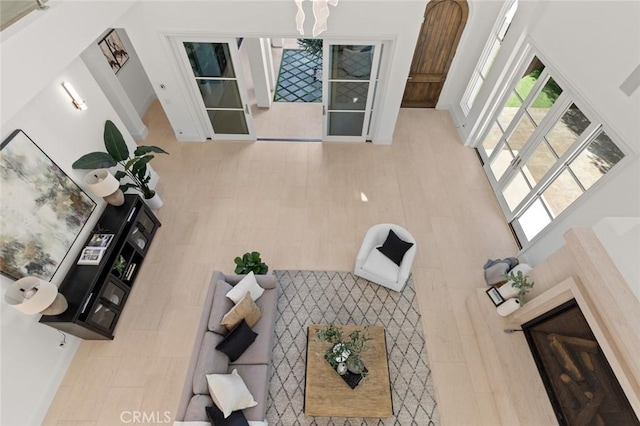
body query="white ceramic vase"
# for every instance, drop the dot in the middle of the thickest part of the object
(154, 202)
(508, 307)
(507, 291)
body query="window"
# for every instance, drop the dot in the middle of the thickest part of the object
(543, 150)
(489, 54)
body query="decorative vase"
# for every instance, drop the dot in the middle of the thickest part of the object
(342, 368)
(508, 307)
(154, 202)
(507, 291)
(355, 365)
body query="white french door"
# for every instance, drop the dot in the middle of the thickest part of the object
(350, 77)
(217, 86)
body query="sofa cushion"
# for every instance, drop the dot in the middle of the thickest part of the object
(217, 418)
(247, 284)
(221, 305)
(229, 392)
(260, 351)
(380, 265)
(210, 361)
(256, 377)
(196, 408)
(246, 309)
(394, 248)
(237, 341)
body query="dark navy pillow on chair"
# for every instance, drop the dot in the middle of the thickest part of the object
(394, 248)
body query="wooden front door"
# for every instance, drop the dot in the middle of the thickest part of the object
(443, 23)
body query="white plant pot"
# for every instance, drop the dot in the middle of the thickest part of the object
(508, 307)
(154, 202)
(507, 291)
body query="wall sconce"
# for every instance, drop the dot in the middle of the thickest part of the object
(105, 185)
(75, 98)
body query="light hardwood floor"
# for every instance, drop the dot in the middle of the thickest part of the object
(300, 205)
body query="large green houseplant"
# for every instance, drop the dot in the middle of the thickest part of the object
(135, 168)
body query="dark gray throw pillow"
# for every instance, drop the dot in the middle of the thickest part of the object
(394, 248)
(237, 341)
(216, 417)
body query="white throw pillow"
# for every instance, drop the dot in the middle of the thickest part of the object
(229, 392)
(247, 284)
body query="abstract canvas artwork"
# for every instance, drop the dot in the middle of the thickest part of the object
(41, 213)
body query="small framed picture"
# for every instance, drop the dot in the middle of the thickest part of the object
(495, 296)
(100, 240)
(91, 255)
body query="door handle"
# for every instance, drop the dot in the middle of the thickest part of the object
(246, 108)
(324, 110)
(410, 77)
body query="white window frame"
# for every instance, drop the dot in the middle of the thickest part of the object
(570, 95)
(498, 33)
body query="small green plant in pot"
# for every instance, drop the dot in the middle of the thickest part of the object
(344, 350)
(519, 281)
(135, 168)
(250, 262)
(118, 267)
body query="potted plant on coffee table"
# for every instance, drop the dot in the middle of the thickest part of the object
(344, 354)
(133, 167)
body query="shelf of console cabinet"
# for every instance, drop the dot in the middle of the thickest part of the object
(83, 283)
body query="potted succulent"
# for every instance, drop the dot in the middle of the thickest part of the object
(118, 267)
(344, 354)
(250, 262)
(520, 283)
(133, 167)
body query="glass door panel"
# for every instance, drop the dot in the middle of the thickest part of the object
(516, 190)
(349, 84)
(220, 88)
(567, 130)
(544, 101)
(493, 138)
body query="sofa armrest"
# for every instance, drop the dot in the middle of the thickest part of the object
(266, 281)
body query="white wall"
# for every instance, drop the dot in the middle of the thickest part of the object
(32, 365)
(37, 49)
(595, 50)
(593, 45)
(397, 21)
(134, 79)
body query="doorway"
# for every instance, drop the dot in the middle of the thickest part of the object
(285, 119)
(444, 21)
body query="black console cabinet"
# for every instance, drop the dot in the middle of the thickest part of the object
(97, 294)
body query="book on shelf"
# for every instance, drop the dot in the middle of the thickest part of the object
(91, 255)
(130, 270)
(100, 240)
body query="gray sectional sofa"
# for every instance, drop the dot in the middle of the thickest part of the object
(254, 366)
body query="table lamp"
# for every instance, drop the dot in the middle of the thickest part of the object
(105, 185)
(31, 295)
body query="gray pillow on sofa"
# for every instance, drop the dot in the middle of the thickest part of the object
(221, 305)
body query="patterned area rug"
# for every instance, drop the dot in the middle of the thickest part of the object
(324, 297)
(297, 77)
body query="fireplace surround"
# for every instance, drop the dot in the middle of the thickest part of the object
(580, 270)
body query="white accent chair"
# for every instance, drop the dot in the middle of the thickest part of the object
(374, 266)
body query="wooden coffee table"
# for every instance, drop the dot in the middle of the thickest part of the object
(327, 395)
